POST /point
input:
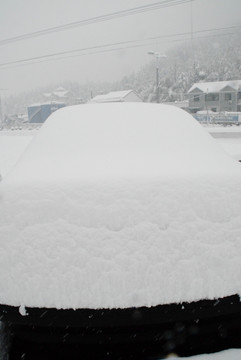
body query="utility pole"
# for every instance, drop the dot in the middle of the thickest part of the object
(191, 32)
(158, 56)
(1, 113)
(157, 81)
(1, 109)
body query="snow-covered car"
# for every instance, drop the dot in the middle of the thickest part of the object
(120, 226)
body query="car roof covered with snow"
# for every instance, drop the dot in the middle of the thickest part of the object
(120, 205)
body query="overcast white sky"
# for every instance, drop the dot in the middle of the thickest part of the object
(25, 16)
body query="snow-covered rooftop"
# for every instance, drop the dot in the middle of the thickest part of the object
(113, 96)
(47, 103)
(213, 87)
(60, 88)
(59, 92)
(120, 205)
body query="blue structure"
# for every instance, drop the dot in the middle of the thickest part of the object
(40, 112)
(226, 118)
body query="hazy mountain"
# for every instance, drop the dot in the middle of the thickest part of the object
(209, 59)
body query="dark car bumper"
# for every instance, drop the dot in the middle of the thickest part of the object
(186, 329)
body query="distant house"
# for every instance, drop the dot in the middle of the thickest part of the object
(60, 94)
(215, 96)
(117, 96)
(38, 113)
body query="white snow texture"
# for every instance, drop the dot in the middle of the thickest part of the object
(120, 205)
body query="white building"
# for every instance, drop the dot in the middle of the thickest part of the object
(215, 96)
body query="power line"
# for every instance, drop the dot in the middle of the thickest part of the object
(97, 19)
(109, 50)
(48, 57)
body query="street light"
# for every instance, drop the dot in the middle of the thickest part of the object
(158, 56)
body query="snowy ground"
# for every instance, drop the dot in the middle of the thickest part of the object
(12, 145)
(229, 138)
(223, 129)
(232, 146)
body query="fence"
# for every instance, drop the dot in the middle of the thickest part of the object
(218, 118)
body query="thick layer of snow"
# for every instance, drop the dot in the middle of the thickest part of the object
(119, 205)
(121, 141)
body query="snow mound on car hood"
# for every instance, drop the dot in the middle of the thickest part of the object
(89, 142)
(120, 205)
